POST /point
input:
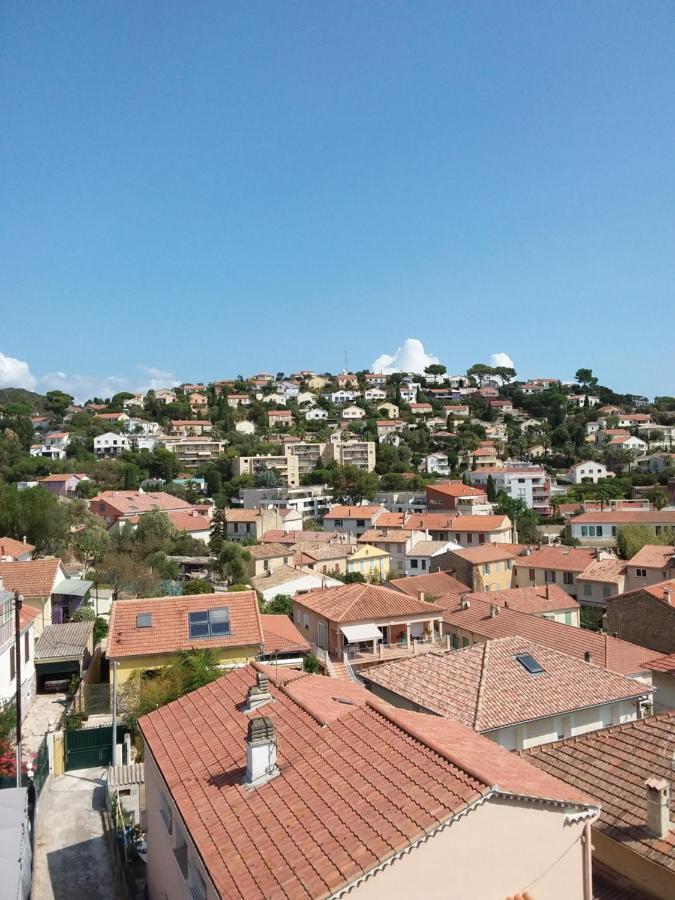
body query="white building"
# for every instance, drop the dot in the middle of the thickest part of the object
(245, 427)
(316, 414)
(111, 444)
(342, 397)
(353, 413)
(372, 395)
(436, 464)
(8, 652)
(588, 471)
(521, 482)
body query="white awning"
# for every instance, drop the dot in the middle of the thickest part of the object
(357, 633)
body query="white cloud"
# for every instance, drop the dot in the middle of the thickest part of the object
(411, 357)
(15, 373)
(84, 387)
(502, 359)
(156, 379)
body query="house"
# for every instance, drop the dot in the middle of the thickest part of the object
(64, 484)
(628, 442)
(447, 496)
(397, 542)
(244, 427)
(283, 644)
(322, 557)
(346, 379)
(645, 616)
(650, 565)
(435, 464)
(190, 427)
(523, 481)
(374, 395)
(549, 601)
(488, 567)
(375, 379)
(662, 670)
(583, 400)
(483, 457)
(12, 550)
(250, 524)
(552, 565)
(387, 427)
(113, 506)
(588, 471)
(234, 401)
(302, 790)
(390, 410)
(27, 616)
(192, 522)
(316, 414)
(464, 530)
(266, 558)
(165, 396)
(280, 418)
(467, 621)
(426, 555)
(110, 444)
(341, 398)
(36, 581)
(456, 410)
(63, 652)
(429, 586)
(353, 413)
(355, 619)
(628, 769)
(512, 690)
(371, 562)
(421, 409)
(352, 519)
(505, 407)
(408, 392)
(289, 581)
(600, 528)
(53, 447)
(68, 596)
(602, 579)
(148, 634)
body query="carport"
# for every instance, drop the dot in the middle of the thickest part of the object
(62, 651)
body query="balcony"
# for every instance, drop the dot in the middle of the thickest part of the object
(387, 652)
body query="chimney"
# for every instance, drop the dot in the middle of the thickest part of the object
(420, 596)
(494, 610)
(658, 806)
(465, 604)
(667, 596)
(258, 693)
(588, 656)
(261, 751)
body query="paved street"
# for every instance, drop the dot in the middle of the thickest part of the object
(71, 854)
(44, 709)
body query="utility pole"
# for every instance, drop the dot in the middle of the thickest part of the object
(18, 603)
(114, 711)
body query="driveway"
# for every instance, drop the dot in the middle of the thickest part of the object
(44, 709)
(72, 861)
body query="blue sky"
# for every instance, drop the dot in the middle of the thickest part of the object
(202, 190)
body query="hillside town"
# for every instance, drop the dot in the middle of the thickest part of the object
(316, 634)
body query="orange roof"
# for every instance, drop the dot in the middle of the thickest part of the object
(33, 578)
(566, 559)
(127, 503)
(242, 515)
(391, 520)
(11, 547)
(281, 636)
(662, 664)
(610, 652)
(485, 686)
(651, 556)
(169, 631)
(390, 536)
(278, 536)
(188, 521)
(610, 571)
(354, 512)
(455, 489)
(532, 600)
(364, 602)
(433, 584)
(488, 552)
(299, 837)
(627, 517)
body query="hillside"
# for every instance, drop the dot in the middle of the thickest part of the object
(19, 395)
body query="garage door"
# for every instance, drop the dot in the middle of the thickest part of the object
(49, 674)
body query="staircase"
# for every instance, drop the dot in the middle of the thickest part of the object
(339, 670)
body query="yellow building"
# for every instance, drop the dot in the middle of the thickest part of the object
(151, 633)
(371, 562)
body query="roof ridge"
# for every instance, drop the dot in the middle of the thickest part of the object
(481, 683)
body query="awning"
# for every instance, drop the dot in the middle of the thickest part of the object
(357, 633)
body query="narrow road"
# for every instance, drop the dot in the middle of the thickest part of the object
(71, 853)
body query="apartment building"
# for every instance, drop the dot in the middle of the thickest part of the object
(287, 466)
(531, 484)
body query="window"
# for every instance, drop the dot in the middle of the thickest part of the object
(568, 578)
(266, 564)
(509, 566)
(455, 641)
(469, 539)
(532, 575)
(413, 563)
(529, 663)
(606, 591)
(26, 647)
(640, 573)
(165, 813)
(588, 589)
(210, 623)
(338, 523)
(486, 568)
(465, 642)
(549, 576)
(144, 620)
(481, 538)
(360, 523)
(305, 620)
(584, 530)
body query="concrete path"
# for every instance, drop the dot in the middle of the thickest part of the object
(44, 709)
(71, 854)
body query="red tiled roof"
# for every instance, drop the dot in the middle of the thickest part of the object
(566, 559)
(391, 520)
(278, 536)
(662, 664)
(169, 631)
(653, 556)
(455, 489)
(187, 521)
(489, 552)
(33, 578)
(387, 535)
(242, 515)
(128, 503)
(354, 512)
(627, 517)
(607, 570)
(310, 830)
(613, 765)
(610, 652)
(11, 547)
(532, 600)
(485, 687)
(433, 584)
(281, 636)
(364, 602)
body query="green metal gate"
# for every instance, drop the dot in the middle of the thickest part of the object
(89, 747)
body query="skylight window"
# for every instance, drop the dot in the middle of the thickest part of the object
(144, 620)
(209, 623)
(530, 663)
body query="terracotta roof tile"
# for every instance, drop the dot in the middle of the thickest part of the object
(567, 559)
(608, 570)
(364, 602)
(613, 765)
(281, 636)
(628, 517)
(33, 578)
(354, 512)
(434, 584)
(169, 631)
(651, 556)
(532, 600)
(11, 547)
(129, 502)
(485, 687)
(311, 830)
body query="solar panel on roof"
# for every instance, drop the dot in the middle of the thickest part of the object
(530, 663)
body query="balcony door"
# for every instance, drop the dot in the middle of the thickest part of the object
(321, 635)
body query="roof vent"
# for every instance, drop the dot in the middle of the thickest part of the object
(261, 751)
(465, 604)
(668, 596)
(658, 806)
(258, 693)
(420, 596)
(588, 656)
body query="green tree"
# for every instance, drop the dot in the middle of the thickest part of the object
(435, 369)
(57, 402)
(491, 489)
(282, 604)
(632, 538)
(197, 586)
(658, 497)
(231, 562)
(217, 530)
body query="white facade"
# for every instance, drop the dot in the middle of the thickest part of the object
(316, 414)
(245, 427)
(588, 471)
(528, 483)
(305, 581)
(8, 656)
(111, 444)
(436, 464)
(353, 413)
(342, 397)
(374, 394)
